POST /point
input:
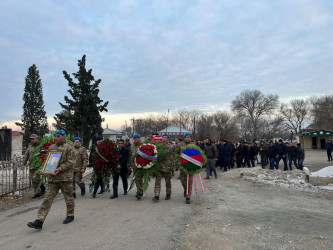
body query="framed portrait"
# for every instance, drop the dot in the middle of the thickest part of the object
(52, 162)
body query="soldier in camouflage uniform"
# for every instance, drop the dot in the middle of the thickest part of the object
(33, 170)
(61, 179)
(138, 181)
(183, 176)
(80, 166)
(165, 170)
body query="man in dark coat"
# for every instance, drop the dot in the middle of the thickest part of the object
(123, 155)
(281, 151)
(293, 154)
(329, 148)
(225, 155)
(271, 154)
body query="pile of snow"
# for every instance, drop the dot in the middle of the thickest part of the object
(294, 179)
(325, 172)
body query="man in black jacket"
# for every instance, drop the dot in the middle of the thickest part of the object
(329, 148)
(293, 154)
(123, 155)
(281, 151)
(224, 155)
(271, 154)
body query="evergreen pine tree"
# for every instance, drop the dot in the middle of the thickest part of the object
(81, 113)
(34, 117)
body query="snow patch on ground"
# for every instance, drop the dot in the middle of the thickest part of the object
(294, 179)
(325, 172)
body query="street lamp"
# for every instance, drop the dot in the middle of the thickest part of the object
(166, 130)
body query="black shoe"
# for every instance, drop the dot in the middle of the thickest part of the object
(156, 199)
(101, 192)
(42, 190)
(167, 197)
(125, 193)
(188, 201)
(35, 196)
(114, 197)
(74, 195)
(83, 191)
(37, 224)
(138, 196)
(94, 195)
(68, 219)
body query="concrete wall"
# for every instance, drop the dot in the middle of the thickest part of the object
(17, 142)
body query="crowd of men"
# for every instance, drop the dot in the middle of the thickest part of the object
(74, 161)
(240, 154)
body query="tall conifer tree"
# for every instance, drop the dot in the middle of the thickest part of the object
(34, 117)
(80, 114)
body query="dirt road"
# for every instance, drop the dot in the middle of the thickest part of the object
(233, 214)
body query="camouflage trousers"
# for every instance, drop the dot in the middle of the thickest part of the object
(183, 179)
(139, 185)
(158, 178)
(77, 179)
(52, 191)
(35, 180)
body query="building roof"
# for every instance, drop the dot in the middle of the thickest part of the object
(107, 131)
(174, 130)
(16, 133)
(318, 133)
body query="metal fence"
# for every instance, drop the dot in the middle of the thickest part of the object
(12, 177)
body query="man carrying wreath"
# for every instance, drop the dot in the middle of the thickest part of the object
(165, 170)
(139, 180)
(61, 179)
(183, 176)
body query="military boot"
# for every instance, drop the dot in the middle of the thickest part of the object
(42, 190)
(156, 199)
(74, 195)
(83, 191)
(138, 196)
(35, 196)
(167, 197)
(37, 224)
(68, 219)
(188, 201)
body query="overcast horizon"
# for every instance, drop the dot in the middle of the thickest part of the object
(158, 55)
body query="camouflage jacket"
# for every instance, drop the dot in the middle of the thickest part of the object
(67, 162)
(167, 164)
(134, 148)
(81, 159)
(29, 153)
(179, 147)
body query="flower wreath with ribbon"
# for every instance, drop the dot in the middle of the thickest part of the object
(146, 162)
(105, 162)
(192, 158)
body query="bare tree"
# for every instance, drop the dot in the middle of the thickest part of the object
(295, 113)
(253, 104)
(322, 112)
(204, 127)
(225, 125)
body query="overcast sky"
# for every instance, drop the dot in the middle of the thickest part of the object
(158, 55)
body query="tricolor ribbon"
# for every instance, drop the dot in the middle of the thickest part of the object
(192, 160)
(148, 157)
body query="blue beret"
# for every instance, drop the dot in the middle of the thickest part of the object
(186, 134)
(77, 138)
(165, 135)
(136, 136)
(60, 132)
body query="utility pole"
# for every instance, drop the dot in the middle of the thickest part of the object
(180, 124)
(167, 121)
(194, 128)
(133, 124)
